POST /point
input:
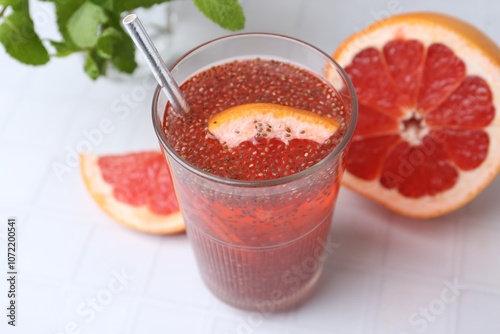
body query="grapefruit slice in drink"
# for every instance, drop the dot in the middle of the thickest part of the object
(269, 120)
(428, 134)
(134, 189)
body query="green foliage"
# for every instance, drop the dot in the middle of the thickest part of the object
(20, 40)
(227, 13)
(63, 49)
(16, 4)
(126, 5)
(94, 65)
(92, 27)
(83, 26)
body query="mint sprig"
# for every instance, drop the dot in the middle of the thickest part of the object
(92, 27)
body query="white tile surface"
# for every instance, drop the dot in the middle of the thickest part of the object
(481, 262)
(167, 319)
(64, 191)
(479, 320)
(93, 309)
(21, 170)
(339, 303)
(49, 255)
(175, 259)
(410, 306)
(386, 268)
(360, 233)
(424, 247)
(479, 213)
(46, 123)
(115, 248)
(247, 321)
(226, 326)
(39, 299)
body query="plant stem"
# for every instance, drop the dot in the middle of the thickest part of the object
(3, 11)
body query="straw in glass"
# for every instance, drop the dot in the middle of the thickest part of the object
(156, 64)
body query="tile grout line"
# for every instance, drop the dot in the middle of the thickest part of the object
(139, 295)
(67, 282)
(41, 185)
(78, 257)
(369, 325)
(9, 118)
(457, 250)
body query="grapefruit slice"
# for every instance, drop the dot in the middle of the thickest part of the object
(134, 189)
(253, 120)
(428, 136)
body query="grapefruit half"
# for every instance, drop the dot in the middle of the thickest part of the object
(134, 189)
(428, 134)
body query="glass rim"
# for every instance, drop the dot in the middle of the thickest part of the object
(260, 183)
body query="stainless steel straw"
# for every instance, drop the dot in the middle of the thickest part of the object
(163, 76)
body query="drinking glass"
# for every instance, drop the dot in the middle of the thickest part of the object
(259, 245)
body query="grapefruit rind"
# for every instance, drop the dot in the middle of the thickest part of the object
(138, 218)
(244, 122)
(482, 58)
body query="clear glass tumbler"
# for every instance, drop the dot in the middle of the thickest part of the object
(259, 245)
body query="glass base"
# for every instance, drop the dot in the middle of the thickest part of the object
(289, 301)
(266, 279)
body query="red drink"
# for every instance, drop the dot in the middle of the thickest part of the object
(258, 215)
(250, 81)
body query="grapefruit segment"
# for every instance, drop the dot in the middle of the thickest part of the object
(374, 87)
(268, 120)
(466, 148)
(405, 61)
(426, 79)
(418, 170)
(368, 155)
(374, 123)
(470, 106)
(443, 73)
(134, 189)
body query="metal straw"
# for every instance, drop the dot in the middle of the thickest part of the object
(163, 76)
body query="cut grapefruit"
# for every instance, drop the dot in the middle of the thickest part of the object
(428, 134)
(253, 120)
(134, 189)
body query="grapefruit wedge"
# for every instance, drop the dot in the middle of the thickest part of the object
(269, 120)
(428, 134)
(134, 189)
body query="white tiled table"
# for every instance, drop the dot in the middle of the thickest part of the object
(384, 275)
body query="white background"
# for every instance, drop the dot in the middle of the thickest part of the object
(387, 270)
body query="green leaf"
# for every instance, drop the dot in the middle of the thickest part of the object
(123, 52)
(226, 13)
(106, 4)
(20, 40)
(15, 4)
(63, 49)
(124, 55)
(83, 25)
(94, 65)
(64, 10)
(107, 42)
(126, 5)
